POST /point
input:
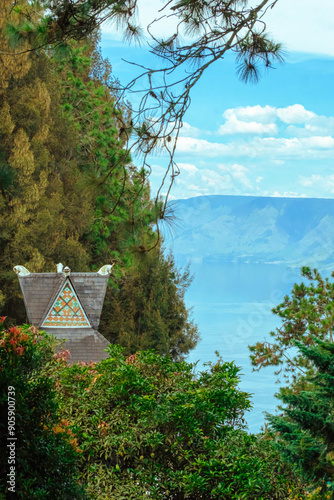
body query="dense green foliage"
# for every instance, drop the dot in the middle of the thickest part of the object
(70, 193)
(57, 203)
(150, 428)
(148, 310)
(307, 314)
(303, 351)
(306, 428)
(45, 451)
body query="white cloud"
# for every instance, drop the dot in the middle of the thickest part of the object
(262, 119)
(294, 114)
(250, 164)
(243, 179)
(249, 120)
(235, 126)
(286, 194)
(259, 147)
(188, 167)
(228, 179)
(306, 147)
(322, 183)
(262, 114)
(238, 173)
(237, 179)
(317, 125)
(319, 142)
(200, 147)
(188, 130)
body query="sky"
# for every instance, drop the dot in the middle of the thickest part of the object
(274, 138)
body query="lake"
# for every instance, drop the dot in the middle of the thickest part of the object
(232, 305)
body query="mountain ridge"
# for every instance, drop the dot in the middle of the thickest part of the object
(296, 231)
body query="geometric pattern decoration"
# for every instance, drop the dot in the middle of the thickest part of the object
(66, 311)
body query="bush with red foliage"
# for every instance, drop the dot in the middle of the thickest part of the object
(46, 449)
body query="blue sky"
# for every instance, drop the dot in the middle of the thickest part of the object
(275, 138)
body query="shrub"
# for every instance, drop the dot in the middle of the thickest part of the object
(46, 451)
(150, 428)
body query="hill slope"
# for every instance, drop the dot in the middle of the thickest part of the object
(297, 231)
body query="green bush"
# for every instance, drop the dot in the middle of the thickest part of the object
(150, 428)
(46, 451)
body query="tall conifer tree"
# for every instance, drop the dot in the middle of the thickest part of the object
(306, 426)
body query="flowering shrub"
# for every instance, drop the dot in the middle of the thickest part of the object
(132, 428)
(150, 428)
(47, 451)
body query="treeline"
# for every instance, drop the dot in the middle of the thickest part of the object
(70, 193)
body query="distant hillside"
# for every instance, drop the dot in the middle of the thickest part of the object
(297, 231)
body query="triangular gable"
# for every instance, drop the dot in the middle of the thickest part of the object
(66, 311)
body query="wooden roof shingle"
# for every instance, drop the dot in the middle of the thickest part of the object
(38, 290)
(91, 289)
(84, 344)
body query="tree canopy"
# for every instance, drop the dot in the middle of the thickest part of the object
(131, 427)
(305, 428)
(147, 310)
(202, 33)
(307, 314)
(70, 193)
(302, 350)
(150, 427)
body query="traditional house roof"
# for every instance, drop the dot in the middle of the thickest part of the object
(68, 305)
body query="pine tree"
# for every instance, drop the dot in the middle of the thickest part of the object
(59, 134)
(123, 211)
(307, 313)
(306, 427)
(42, 210)
(11, 68)
(148, 310)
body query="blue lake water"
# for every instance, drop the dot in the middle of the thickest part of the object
(232, 305)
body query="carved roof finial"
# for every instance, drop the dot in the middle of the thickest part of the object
(105, 270)
(60, 267)
(21, 270)
(66, 271)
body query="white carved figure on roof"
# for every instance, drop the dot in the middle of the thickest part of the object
(21, 270)
(105, 269)
(60, 267)
(67, 271)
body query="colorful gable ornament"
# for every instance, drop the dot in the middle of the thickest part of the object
(66, 311)
(69, 306)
